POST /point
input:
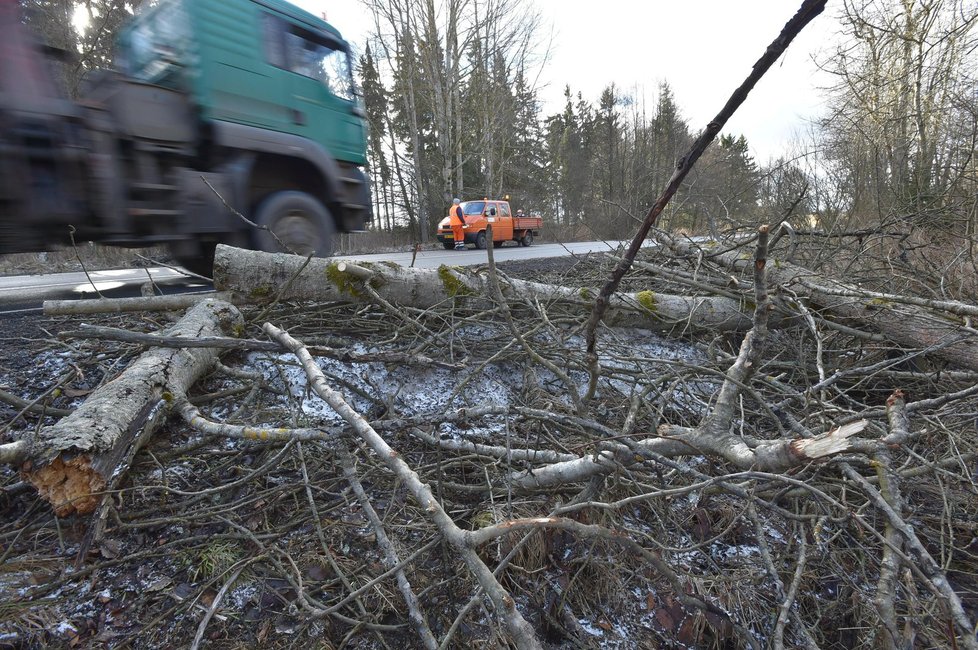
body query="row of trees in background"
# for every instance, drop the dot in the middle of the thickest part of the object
(450, 91)
(454, 111)
(899, 143)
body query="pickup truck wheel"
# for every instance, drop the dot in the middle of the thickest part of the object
(448, 245)
(480, 241)
(301, 223)
(527, 238)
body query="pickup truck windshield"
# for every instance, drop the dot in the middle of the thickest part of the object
(473, 207)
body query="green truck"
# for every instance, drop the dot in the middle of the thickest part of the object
(216, 113)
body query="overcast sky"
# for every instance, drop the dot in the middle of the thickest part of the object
(703, 48)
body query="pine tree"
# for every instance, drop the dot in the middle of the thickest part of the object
(376, 107)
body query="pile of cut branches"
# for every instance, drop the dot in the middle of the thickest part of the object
(378, 455)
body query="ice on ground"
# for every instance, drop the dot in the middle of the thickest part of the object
(411, 390)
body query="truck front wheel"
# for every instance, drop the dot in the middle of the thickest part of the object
(294, 222)
(480, 241)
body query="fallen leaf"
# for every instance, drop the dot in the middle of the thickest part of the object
(687, 632)
(159, 584)
(110, 549)
(317, 573)
(664, 619)
(263, 632)
(207, 598)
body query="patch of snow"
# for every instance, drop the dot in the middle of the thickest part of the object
(591, 628)
(775, 534)
(241, 595)
(729, 551)
(64, 627)
(411, 390)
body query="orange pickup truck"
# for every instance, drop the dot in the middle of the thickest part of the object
(506, 226)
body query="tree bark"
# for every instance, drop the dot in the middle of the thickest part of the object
(120, 305)
(940, 331)
(262, 277)
(72, 461)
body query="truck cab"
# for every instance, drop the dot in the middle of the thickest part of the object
(506, 226)
(215, 110)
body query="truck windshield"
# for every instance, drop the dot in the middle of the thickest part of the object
(321, 61)
(156, 44)
(473, 207)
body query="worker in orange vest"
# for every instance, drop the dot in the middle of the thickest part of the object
(457, 221)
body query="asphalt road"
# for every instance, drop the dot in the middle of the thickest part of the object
(27, 292)
(508, 253)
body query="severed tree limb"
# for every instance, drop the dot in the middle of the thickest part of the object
(674, 441)
(950, 306)
(192, 416)
(719, 421)
(102, 333)
(13, 453)
(32, 406)
(889, 485)
(154, 414)
(72, 461)
(177, 302)
(494, 451)
(786, 609)
(391, 560)
(520, 630)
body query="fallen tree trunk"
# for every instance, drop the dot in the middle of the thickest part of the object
(262, 277)
(72, 461)
(938, 329)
